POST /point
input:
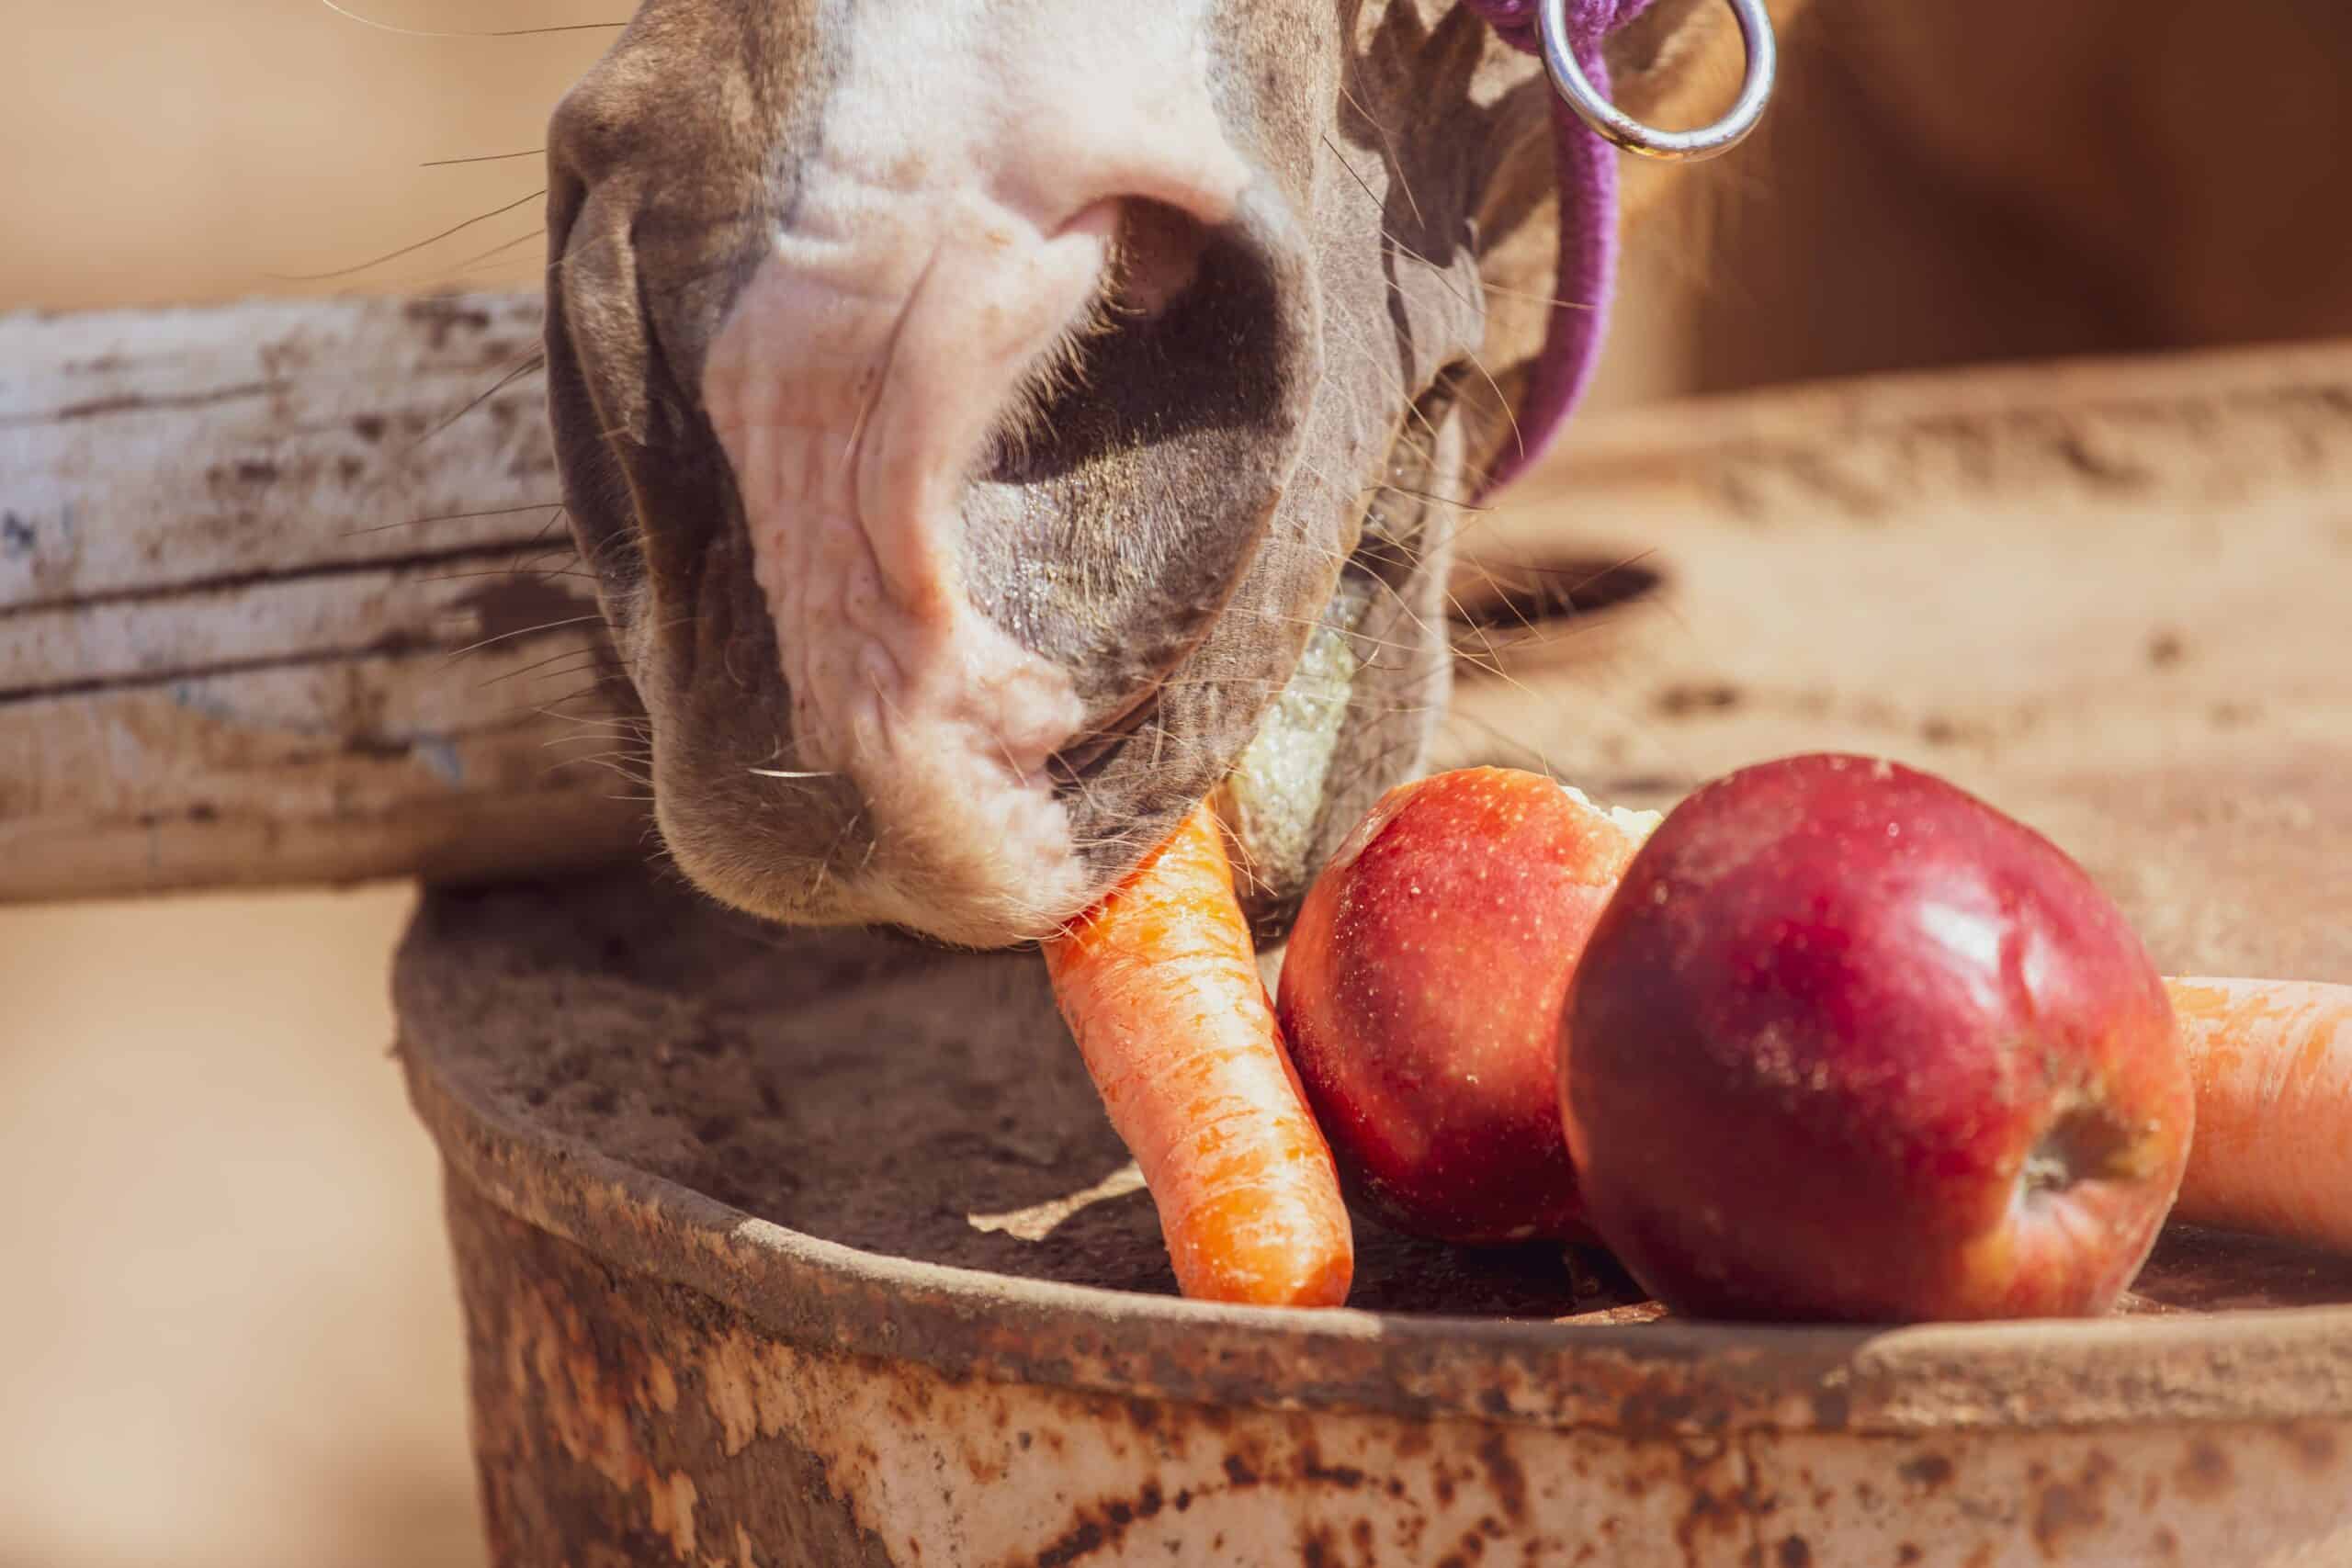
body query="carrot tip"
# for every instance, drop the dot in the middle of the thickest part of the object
(1161, 987)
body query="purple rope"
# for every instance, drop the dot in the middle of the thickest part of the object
(1586, 169)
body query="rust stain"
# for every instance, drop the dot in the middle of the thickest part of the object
(1347, 1477)
(2205, 1471)
(1504, 1474)
(1706, 1513)
(1794, 1551)
(2315, 1447)
(1473, 1548)
(1103, 1524)
(1415, 1526)
(1648, 1412)
(2064, 1511)
(594, 1395)
(1928, 1471)
(1083, 1539)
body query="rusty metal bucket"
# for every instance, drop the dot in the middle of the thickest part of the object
(712, 1197)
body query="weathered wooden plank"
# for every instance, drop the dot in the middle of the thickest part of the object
(227, 648)
(319, 770)
(146, 449)
(476, 597)
(310, 735)
(243, 553)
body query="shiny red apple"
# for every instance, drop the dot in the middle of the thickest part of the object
(1850, 1044)
(1422, 993)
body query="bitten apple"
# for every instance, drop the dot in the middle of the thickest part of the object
(1849, 1045)
(1422, 988)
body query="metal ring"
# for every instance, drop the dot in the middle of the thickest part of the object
(1671, 146)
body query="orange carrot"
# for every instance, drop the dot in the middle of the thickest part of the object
(1161, 986)
(2272, 1061)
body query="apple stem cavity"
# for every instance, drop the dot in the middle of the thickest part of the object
(2084, 1144)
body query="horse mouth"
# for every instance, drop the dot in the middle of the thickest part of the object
(1273, 794)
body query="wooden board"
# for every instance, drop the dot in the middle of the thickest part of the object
(286, 596)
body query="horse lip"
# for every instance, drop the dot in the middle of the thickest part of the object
(1074, 765)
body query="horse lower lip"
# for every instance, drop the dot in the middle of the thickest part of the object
(1073, 765)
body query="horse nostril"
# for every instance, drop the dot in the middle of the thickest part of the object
(1112, 530)
(1188, 350)
(1155, 258)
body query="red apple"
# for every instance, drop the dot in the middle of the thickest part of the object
(1850, 1044)
(1422, 993)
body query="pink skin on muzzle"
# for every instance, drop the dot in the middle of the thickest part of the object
(952, 232)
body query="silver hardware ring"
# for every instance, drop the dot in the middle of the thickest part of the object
(1670, 146)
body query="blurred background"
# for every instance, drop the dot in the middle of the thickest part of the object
(233, 1339)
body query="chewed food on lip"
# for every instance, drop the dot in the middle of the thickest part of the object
(1273, 800)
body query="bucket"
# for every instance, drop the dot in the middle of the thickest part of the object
(811, 1250)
